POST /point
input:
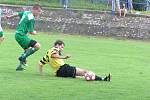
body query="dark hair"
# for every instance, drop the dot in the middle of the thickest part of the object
(36, 6)
(59, 42)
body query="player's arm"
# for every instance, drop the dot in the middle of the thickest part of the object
(57, 56)
(31, 27)
(42, 62)
(12, 16)
(41, 65)
(32, 33)
(40, 68)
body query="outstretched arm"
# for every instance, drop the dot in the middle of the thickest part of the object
(56, 55)
(12, 16)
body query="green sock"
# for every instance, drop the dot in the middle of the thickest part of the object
(29, 52)
(19, 66)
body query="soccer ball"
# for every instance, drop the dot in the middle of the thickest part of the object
(89, 76)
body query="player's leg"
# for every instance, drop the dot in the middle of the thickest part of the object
(71, 71)
(20, 67)
(1, 37)
(1, 30)
(82, 72)
(66, 71)
(33, 47)
(30, 46)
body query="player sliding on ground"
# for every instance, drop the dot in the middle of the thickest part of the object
(1, 30)
(56, 61)
(25, 26)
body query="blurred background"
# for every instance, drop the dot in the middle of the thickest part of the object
(103, 5)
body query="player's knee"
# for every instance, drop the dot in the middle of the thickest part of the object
(37, 45)
(2, 38)
(80, 72)
(84, 72)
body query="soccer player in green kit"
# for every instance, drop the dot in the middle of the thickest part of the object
(25, 26)
(1, 30)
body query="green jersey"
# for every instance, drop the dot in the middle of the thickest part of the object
(26, 23)
(1, 30)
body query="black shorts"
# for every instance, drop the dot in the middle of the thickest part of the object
(32, 43)
(66, 71)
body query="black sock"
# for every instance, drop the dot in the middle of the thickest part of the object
(98, 78)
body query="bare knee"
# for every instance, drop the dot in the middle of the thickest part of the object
(80, 72)
(37, 45)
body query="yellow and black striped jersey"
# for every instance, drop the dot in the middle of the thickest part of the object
(54, 62)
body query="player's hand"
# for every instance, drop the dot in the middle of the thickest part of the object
(67, 56)
(34, 32)
(7, 17)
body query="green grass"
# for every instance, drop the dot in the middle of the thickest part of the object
(129, 62)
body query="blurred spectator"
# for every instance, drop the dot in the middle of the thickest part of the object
(65, 3)
(130, 5)
(123, 10)
(148, 5)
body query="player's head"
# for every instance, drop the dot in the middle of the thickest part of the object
(59, 44)
(36, 10)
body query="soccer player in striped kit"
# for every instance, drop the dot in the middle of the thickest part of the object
(55, 59)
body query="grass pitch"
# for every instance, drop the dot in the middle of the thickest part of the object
(128, 61)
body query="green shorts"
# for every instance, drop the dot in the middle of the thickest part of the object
(1, 34)
(23, 40)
